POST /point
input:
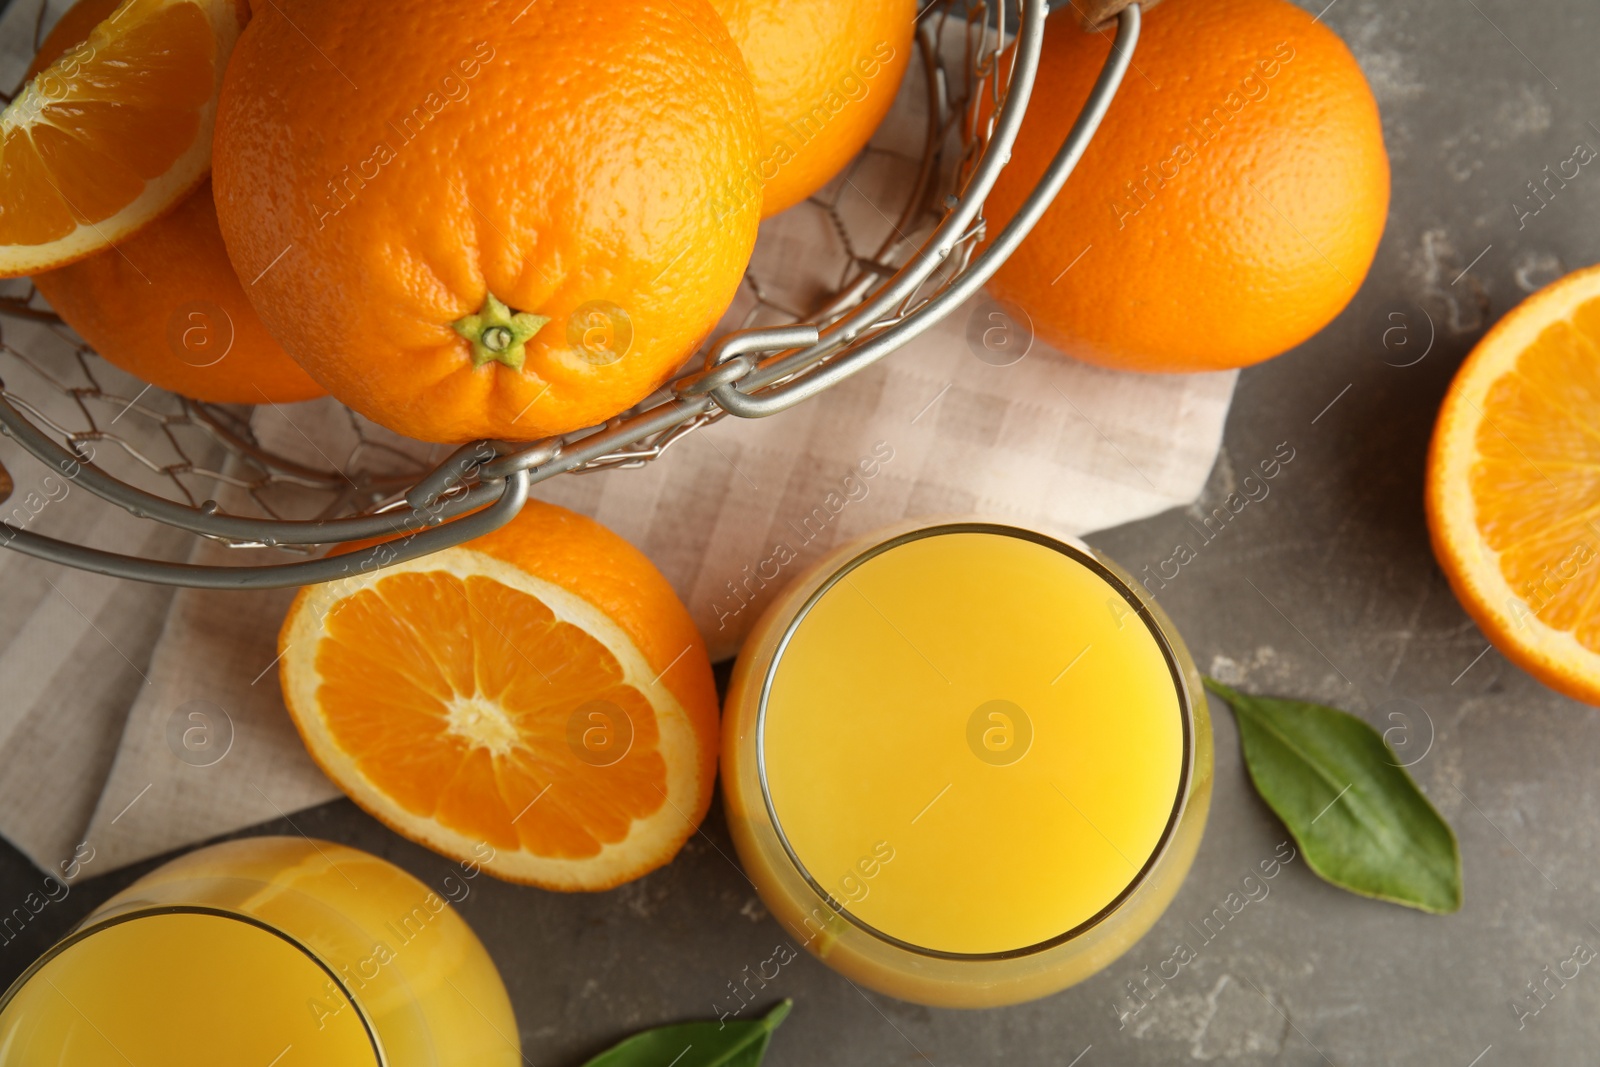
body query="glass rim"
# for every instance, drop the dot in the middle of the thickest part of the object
(89, 929)
(1139, 608)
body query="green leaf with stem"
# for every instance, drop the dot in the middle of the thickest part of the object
(1358, 817)
(741, 1043)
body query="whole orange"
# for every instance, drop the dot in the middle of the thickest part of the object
(825, 73)
(165, 304)
(166, 307)
(490, 218)
(1227, 210)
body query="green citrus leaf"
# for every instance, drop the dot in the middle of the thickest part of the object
(741, 1043)
(1360, 820)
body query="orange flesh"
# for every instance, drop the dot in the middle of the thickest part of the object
(1536, 482)
(83, 139)
(454, 697)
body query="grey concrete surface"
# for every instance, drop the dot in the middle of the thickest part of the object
(1326, 589)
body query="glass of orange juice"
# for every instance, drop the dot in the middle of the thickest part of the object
(966, 764)
(267, 951)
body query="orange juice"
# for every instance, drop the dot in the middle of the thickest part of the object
(966, 764)
(271, 951)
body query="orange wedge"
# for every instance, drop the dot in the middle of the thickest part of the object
(108, 134)
(537, 702)
(1513, 493)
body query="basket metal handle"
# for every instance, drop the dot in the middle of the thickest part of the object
(513, 494)
(1096, 14)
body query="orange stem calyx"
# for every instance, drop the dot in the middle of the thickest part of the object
(497, 333)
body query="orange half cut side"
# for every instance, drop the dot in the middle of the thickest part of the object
(1513, 496)
(497, 718)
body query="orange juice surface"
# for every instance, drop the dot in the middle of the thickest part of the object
(167, 989)
(973, 743)
(270, 951)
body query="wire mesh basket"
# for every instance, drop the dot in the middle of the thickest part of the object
(74, 415)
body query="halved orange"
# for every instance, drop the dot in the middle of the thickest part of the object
(1513, 492)
(109, 133)
(537, 701)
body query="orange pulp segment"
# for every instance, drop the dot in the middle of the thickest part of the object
(502, 719)
(108, 134)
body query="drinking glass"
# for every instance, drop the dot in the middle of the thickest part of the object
(272, 951)
(966, 764)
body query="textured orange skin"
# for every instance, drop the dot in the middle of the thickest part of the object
(123, 300)
(810, 54)
(590, 561)
(571, 155)
(1242, 252)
